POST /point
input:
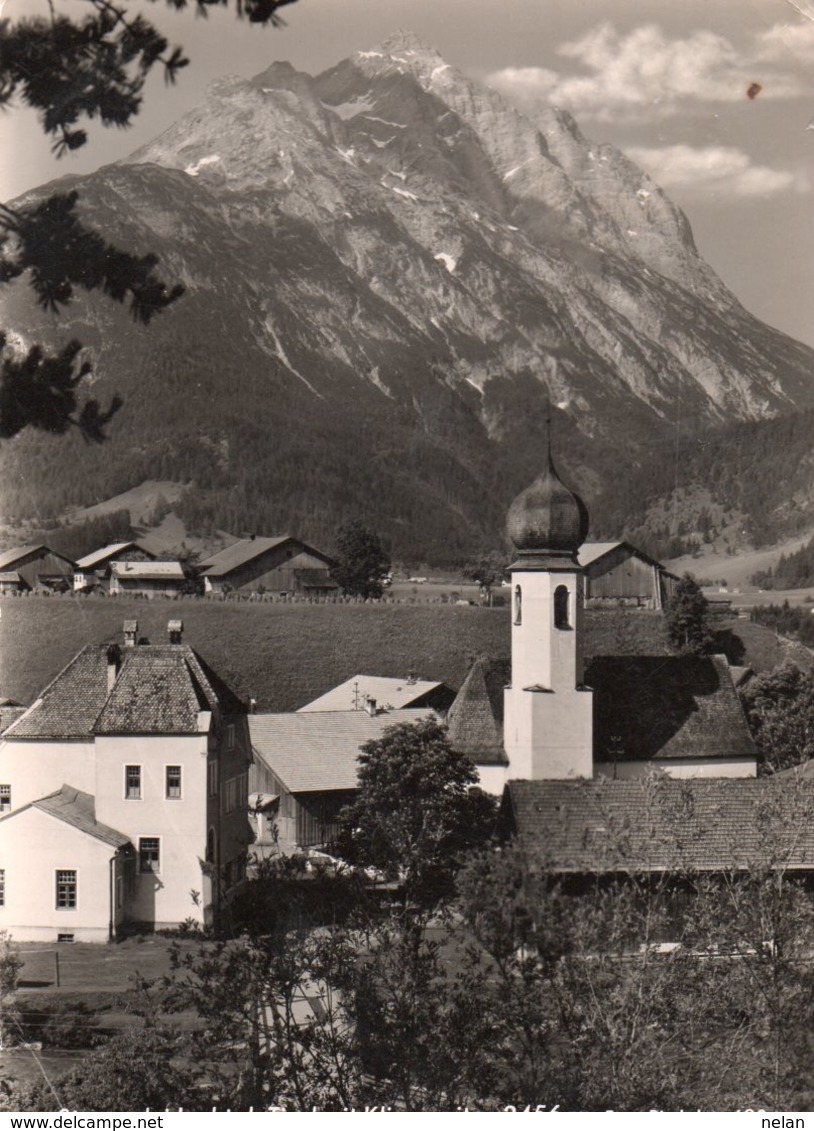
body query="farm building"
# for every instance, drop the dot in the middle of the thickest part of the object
(146, 579)
(304, 771)
(616, 573)
(269, 565)
(384, 692)
(93, 570)
(34, 567)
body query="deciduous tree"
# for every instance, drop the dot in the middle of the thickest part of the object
(362, 561)
(688, 618)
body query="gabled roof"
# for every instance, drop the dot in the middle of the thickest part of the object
(9, 713)
(148, 571)
(317, 751)
(99, 557)
(246, 550)
(77, 809)
(666, 707)
(475, 719)
(159, 689)
(9, 558)
(663, 824)
(389, 693)
(591, 552)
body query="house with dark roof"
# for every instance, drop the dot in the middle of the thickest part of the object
(93, 570)
(304, 770)
(283, 565)
(617, 573)
(34, 567)
(125, 786)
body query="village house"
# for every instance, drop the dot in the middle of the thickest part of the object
(34, 567)
(146, 579)
(282, 565)
(124, 790)
(93, 570)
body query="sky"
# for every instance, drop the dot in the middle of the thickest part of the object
(665, 80)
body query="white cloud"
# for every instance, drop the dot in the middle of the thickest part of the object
(787, 43)
(723, 167)
(645, 74)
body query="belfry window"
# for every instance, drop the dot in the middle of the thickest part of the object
(518, 605)
(561, 598)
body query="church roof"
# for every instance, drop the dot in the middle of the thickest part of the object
(661, 824)
(645, 707)
(666, 707)
(475, 719)
(547, 516)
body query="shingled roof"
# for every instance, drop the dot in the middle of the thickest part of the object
(475, 719)
(666, 707)
(159, 689)
(77, 809)
(389, 692)
(657, 824)
(99, 557)
(645, 707)
(319, 750)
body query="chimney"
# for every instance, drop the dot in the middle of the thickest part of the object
(114, 662)
(130, 633)
(175, 631)
(252, 705)
(370, 706)
(411, 676)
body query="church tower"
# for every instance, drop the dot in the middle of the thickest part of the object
(548, 712)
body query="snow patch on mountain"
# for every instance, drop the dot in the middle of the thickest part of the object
(193, 169)
(448, 261)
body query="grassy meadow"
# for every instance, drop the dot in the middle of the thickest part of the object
(287, 654)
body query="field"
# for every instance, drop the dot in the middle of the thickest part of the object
(284, 655)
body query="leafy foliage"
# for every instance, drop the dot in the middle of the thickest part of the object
(73, 71)
(779, 708)
(417, 811)
(362, 561)
(687, 619)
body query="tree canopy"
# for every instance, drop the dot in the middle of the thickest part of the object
(688, 618)
(362, 564)
(72, 71)
(417, 811)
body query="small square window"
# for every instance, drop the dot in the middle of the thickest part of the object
(173, 777)
(66, 889)
(149, 854)
(5, 798)
(132, 783)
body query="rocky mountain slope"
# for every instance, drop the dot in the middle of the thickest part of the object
(388, 271)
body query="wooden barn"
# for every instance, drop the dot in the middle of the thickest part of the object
(283, 565)
(35, 567)
(304, 770)
(616, 573)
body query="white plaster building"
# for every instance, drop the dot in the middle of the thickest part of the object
(124, 788)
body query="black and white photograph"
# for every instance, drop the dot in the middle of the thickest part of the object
(407, 556)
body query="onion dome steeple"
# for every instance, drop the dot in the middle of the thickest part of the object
(547, 518)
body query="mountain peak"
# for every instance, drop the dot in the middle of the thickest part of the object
(406, 41)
